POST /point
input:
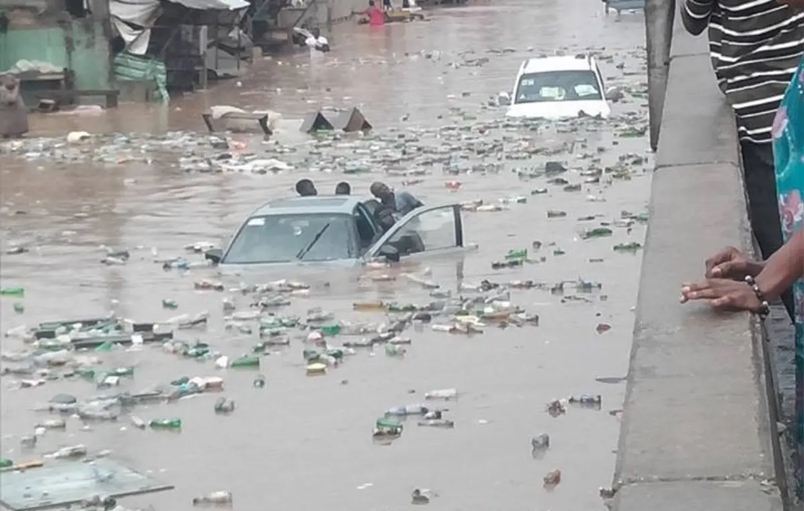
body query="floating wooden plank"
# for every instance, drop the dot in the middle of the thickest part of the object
(69, 483)
(262, 120)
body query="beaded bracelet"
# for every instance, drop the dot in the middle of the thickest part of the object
(764, 307)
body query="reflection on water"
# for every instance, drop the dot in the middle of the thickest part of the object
(306, 442)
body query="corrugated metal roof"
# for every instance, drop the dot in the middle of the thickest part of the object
(226, 5)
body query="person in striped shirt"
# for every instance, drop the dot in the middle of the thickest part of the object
(755, 46)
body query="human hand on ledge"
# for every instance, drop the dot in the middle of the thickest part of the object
(723, 294)
(732, 264)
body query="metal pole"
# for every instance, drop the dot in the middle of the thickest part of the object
(103, 19)
(659, 16)
(203, 38)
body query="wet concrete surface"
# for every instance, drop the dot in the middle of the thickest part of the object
(304, 442)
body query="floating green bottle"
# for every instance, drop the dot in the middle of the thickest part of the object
(331, 330)
(517, 254)
(246, 361)
(627, 247)
(122, 371)
(597, 232)
(165, 424)
(311, 355)
(18, 291)
(6, 462)
(86, 372)
(406, 307)
(105, 346)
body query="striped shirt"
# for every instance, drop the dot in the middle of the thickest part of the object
(755, 46)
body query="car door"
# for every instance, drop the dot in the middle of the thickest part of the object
(424, 231)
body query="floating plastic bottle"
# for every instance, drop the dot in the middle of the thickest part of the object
(438, 423)
(586, 400)
(627, 247)
(517, 254)
(316, 368)
(17, 291)
(368, 306)
(402, 411)
(74, 451)
(404, 307)
(393, 350)
(216, 497)
(387, 427)
(441, 394)
(165, 424)
(246, 361)
(224, 406)
(52, 424)
(540, 442)
(6, 462)
(259, 381)
(170, 304)
(597, 232)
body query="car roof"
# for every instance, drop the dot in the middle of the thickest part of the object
(319, 204)
(542, 64)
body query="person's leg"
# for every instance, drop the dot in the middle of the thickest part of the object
(763, 203)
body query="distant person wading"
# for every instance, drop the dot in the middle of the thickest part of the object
(375, 14)
(13, 115)
(306, 188)
(343, 188)
(316, 42)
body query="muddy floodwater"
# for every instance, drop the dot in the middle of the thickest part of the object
(305, 442)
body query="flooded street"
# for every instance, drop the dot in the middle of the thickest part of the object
(305, 442)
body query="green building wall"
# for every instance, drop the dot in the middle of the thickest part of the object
(77, 45)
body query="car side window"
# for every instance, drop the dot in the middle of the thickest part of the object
(365, 228)
(429, 230)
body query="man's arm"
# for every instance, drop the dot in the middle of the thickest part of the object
(784, 267)
(410, 199)
(695, 15)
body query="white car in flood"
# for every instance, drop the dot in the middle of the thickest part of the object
(558, 88)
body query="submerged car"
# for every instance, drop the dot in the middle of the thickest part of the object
(559, 88)
(343, 229)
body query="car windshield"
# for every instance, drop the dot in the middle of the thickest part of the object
(284, 238)
(558, 86)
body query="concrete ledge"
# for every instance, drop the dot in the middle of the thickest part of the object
(698, 496)
(697, 124)
(697, 431)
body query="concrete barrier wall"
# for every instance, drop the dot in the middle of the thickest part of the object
(324, 12)
(697, 432)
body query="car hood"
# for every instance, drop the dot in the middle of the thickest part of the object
(312, 266)
(559, 109)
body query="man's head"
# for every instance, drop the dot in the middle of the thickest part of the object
(371, 3)
(381, 191)
(316, 32)
(305, 188)
(343, 188)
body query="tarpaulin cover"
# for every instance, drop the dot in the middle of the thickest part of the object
(143, 13)
(134, 67)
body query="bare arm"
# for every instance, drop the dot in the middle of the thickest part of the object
(783, 268)
(695, 15)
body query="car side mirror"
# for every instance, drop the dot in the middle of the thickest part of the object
(390, 253)
(614, 94)
(214, 254)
